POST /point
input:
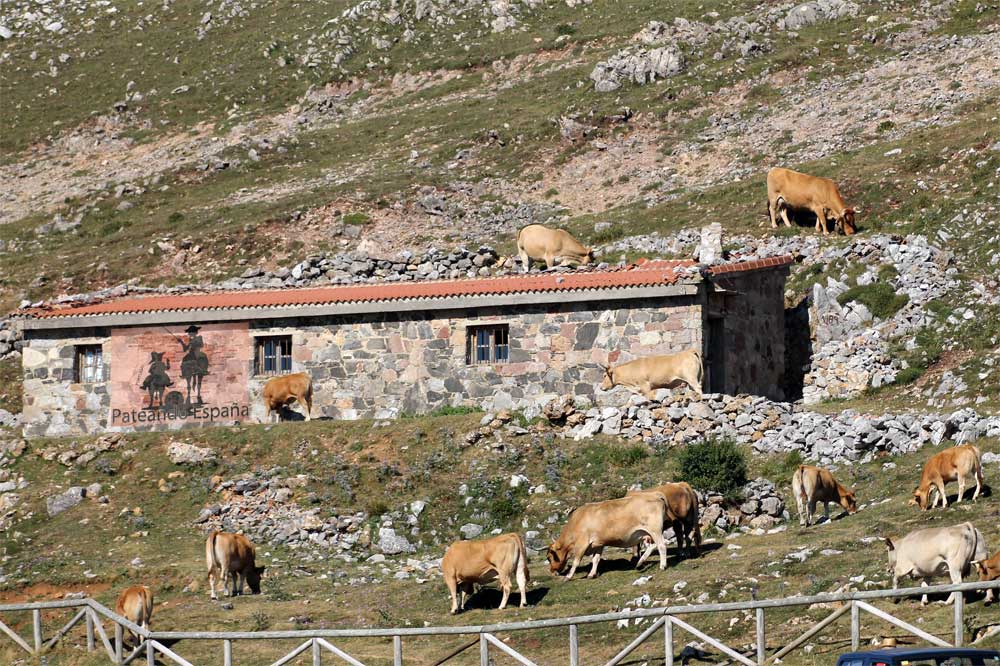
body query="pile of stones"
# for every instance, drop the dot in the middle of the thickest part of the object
(762, 509)
(769, 426)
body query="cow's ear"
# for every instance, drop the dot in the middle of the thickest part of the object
(888, 544)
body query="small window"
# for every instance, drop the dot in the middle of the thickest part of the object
(487, 344)
(89, 365)
(273, 355)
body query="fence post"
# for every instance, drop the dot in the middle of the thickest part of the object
(855, 627)
(150, 653)
(668, 642)
(317, 655)
(484, 651)
(397, 651)
(36, 622)
(959, 619)
(761, 638)
(119, 644)
(227, 653)
(89, 617)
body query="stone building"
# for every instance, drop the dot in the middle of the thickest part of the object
(379, 350)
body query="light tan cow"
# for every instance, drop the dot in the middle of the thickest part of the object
(682, 514)
(469, 563)
(136, 604)
(989, 570)
(954, 464)
(619, 523)
(791, 189)
(281, 391)
(656, 372)
(539, 242)
(814, 484)
(232, 557)
(936, 551)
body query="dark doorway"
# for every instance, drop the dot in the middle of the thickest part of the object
(715, 368)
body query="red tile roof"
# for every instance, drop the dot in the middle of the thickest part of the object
(644, 274)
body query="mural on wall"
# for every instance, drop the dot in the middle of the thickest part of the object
(160, 374)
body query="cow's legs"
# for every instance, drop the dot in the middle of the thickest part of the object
(661, 545)
(453, 591)
(943, 494)
(595, 559)
(550, 260)
(800, 503)
(771, 205)
(955, 572)
(505, 588)
(961, 488)
(211, 582)
(826, 511)
(923, 599)
(811, 511)
(525, 261)
(784, 212)
(979, 484)
(821, 220)
(576, 562)
(522, 582)
(307, 401)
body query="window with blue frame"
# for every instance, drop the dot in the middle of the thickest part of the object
(89, 366)
(273, 355)
(487, 345)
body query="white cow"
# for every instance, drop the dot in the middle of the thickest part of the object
(936, 551)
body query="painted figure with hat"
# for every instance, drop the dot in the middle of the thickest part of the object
(194, 365)
(157, 380)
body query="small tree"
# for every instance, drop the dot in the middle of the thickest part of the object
(715, 464)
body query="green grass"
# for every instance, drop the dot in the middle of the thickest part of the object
(59, 550)
(11, 386)
(879, 297)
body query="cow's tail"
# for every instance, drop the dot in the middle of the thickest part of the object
(799, 484)
(147, 606)
(523, 559)
(211, 562)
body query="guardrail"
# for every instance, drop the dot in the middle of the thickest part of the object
(318, 641)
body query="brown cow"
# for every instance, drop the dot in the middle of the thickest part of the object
(281, 391)
(469, 563)
(232, 556)
(954, 464)
(989, 570)
(656, 372)
(814, 484)
(537, 241)
(619, 523)
(791, 189)
(136, 604)
(682, 513)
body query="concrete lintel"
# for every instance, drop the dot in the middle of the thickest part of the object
(346, 309)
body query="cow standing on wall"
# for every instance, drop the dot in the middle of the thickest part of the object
(791, 189)
(282, 391)
(655, 372)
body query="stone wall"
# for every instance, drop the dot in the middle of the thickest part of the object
(55, 405)
(384, 365)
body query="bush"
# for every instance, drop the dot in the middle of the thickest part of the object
(879, 297)
(718, 465)
(356, 218)
(909, 375)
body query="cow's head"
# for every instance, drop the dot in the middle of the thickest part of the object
(589, 258)
(846, 222)
(849, 502)
(558, 556)
(920, 496)
(891, 549)
(608, 382)
(253, 578)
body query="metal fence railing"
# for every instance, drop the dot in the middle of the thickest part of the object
(318, 642)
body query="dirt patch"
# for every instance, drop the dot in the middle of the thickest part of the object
(48, 592)
(949, 360)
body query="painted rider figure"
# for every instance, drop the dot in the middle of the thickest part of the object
(194, 365)
(157, 380)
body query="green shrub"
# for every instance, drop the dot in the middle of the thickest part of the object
(448, 410)
(909, 375)
(565, 29)
(626, 456)
(879, 297)
(781, 468)
(356, 218)
(715, 464)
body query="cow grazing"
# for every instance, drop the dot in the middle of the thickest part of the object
(656, 372)
(539, 242)
(936, 551)
(281, 391)
(468, 563)
(682, 514)
(791, 189)
(954, 464)
(815, 484)
(232, 556)
(989, 570)
(136, 605)
(619, 523)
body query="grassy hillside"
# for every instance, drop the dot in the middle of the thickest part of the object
(146, 534)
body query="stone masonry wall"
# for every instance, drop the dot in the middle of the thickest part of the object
(55, 405)
(381, 366)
